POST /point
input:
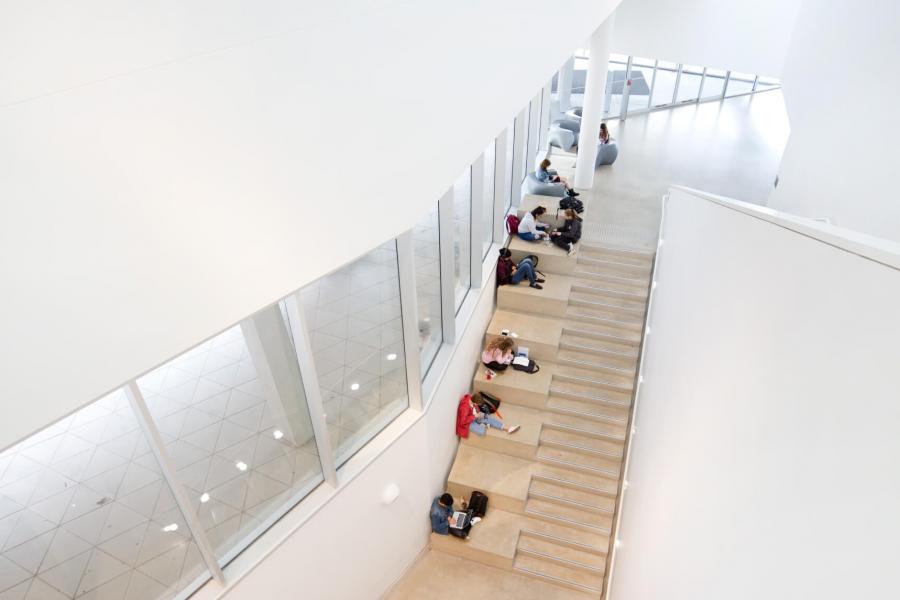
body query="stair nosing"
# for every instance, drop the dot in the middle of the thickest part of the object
(586, 432)
(582, 449)
(563, 561)
(619, 324)
(558, 580)
(576, 504)
(597, 382)
(593, 349)
(576, 467)
(564, 482)
(588, 415)
(623, 370)
(572, 523)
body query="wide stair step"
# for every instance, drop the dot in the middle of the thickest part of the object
(623, 309)
(612, 265)
(622, 255)
(595, 283)
(609, 330)
(612, 429)
(591, 275)
(579, 461)
(622, 375)
(572, 494)
(579, 442)
(556, 561)
(606, 351)
(590, 384)
(590, 411)
(629, 302)
(608, 316)
(568, 515)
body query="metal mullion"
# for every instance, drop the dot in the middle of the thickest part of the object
(652, 85)
(702, 82)
(309, 375)
(725, 86)
(520, 129)
(755, 82)
(677, 83)
(626, 89)
(409, 316)
(448, 285)
(154, 438)
(476, 226)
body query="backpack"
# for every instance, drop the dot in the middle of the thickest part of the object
(525, 364)
(573, 203)
(478, 503)
(486, 403)
(512, 224)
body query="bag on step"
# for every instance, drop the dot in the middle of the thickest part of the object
(522, 363)
(487, 403)
(478, 504)
(512, 224)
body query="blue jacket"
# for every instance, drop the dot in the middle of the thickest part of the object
(543, 175)
(440, 517)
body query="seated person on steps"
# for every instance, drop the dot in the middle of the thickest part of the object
(529, 229)
(441, 513)
(508, 273)
(499, 353)
(470, 418)
(568, 235)
(546, 175)
(604, 134)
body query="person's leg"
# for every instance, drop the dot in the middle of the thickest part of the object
(527, 236)
(478, 428)
(492, 421)
(527, 270)
(561, 240)
(517, 277)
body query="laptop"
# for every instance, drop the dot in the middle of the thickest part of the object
(461, 519)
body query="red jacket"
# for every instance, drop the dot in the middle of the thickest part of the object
(465, 414)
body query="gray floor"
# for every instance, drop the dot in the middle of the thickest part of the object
(731, 148)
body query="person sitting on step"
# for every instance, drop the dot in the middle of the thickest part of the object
(604, 134)
(441, 513)
(508, 273)
(499, 353)
(546, 175)
(568, 235)
(470, 418)
(529, 229)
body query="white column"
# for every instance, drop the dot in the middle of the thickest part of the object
(594, 95)
(534, 132)
(564, 84)
(520, 164)
(546, 111)
(448, 281)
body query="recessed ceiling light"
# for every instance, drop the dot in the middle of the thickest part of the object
(204, 498)
(277, 434)
(241, 465)
(171, 528)
(354, 386)
(392, 356)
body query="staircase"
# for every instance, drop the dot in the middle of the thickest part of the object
(554, 485)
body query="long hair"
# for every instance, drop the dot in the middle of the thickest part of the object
(545, 163)
(571, 214)
(503, 343)
(538, 211)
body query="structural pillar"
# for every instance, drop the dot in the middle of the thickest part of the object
(594, 97)
(564, 84)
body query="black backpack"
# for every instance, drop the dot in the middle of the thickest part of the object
(569, 202)
(478, 503)
(487, 403)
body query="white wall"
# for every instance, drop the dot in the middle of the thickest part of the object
(355, 546)
(765, 459)
(750, 37)
(841, 94)
(168, 168)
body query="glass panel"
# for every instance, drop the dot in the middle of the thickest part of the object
(427, 257)
(689, 85)
(714, 83)
(767, 83)
(233, 415)
(615, 85)
(525, 128)
(739, 83)
(462, 234)
(664, 87)
(641, 76)
(355, 324)
(487, 204)
(508, 165)
(85, 510)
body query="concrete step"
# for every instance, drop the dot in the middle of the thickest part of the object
(579, 461)
(601, 351)
(540, 335)
(552, 259)
(579, 442)
(523, 443)
(585, 557)
(551, 301)
(633, 303)
(517, 387)
(589, 411)
(601, 329)
(610, 307)
(589, 274)
(598, 315)
(613, 266)
(572, 495)
(598, 363)
(598, 384)
(553, 572)
(612, 290)
(612, 429)
(623, 255)
(568, 515)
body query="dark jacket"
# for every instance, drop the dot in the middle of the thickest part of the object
(440, 517)
(571, 229)
(504, 271)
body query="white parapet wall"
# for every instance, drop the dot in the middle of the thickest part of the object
(764, 459)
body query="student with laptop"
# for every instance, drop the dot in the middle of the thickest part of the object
(442, 513)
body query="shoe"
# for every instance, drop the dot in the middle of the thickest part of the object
(514, 429)
(539, 280)
(536, 286)
(572, 193)
(571, 249)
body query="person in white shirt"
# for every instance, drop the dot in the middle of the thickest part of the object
(529, 229)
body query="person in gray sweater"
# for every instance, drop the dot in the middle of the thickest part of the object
(568, 235)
